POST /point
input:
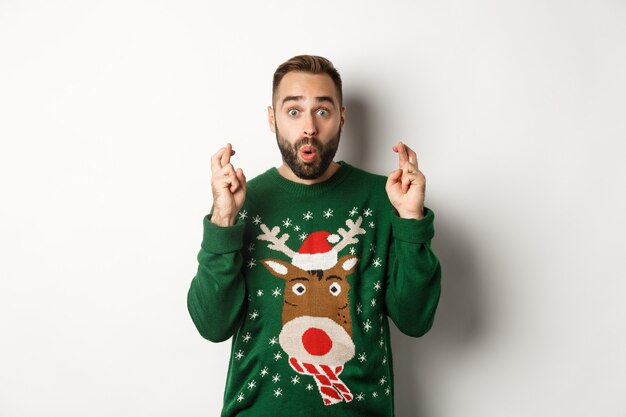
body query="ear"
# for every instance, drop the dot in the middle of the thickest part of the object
(278, 268)
(271, 118)
(343, 117)
(348, 263)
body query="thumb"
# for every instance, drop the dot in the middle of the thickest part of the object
(393, 177)
(241, 177)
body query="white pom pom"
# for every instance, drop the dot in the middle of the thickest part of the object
(333, 238)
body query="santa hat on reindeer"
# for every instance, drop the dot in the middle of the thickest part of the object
(316, 253)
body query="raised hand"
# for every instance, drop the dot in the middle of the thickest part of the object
(229, 188)
(406, 186)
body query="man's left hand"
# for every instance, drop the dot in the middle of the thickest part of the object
(406, 186)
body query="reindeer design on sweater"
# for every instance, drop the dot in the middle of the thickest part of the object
(316, 323)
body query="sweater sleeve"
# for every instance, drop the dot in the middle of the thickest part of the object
(413, 276)
(216, 297)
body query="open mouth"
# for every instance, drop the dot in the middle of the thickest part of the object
(308, 153)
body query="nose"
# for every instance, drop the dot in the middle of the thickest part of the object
(310, 129)
(316, 341)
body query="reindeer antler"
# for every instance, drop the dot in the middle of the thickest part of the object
(348, 238)
(276, 243)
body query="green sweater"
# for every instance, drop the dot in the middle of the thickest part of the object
(304, 282)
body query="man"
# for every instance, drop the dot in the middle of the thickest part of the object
(303, 264)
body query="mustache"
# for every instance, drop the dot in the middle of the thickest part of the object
(310, 141)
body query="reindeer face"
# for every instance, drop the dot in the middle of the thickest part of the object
(317, 326)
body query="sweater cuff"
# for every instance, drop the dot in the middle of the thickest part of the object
(413, 230)
(221, 240)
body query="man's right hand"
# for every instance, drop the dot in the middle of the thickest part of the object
(229, 188)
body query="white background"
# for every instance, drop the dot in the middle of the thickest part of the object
(110, 110)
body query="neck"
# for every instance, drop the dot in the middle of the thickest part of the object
(287, 173)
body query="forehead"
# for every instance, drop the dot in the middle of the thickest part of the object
(307, 85)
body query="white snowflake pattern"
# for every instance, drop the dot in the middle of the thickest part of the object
(278, 392)
(381, 342)
(353, 211)
(259, 293)
(328, 213)
(243, 215)
(373, 302)
(264, 371)
(296, 228)
(384, 361)
(239, 354)
(387, 391)
(287, 222)
(375, 394)
(276, 292)
(246, 337)
(377, 285)
(251, 263)
(303, 236)
(372, 247)
(377, 262)
(251, 247)
(309, 387)
(278, 356)
(380, 318)
(273, 341)
(352, 251)
(367, 212)
(254, 315)
(359, 308)
(240, 397)
(360, 396)
(372, 225)
(252, 384)
(257, 219)
(382, 381)
(295, 380)
(307, 216)
(362, 357)
(275, 378)
(367, 325)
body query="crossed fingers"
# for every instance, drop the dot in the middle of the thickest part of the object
(224, 174)
(221, 158)
(407, 162)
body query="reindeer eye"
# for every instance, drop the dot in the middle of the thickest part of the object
(335, 289)
(298, 289)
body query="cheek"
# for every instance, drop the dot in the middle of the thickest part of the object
(289, 132)
(342, 299)
(332, 124)
(285, 123)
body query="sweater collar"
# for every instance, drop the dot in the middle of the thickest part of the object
(304, 190)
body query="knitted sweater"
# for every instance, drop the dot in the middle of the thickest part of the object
(304, 283)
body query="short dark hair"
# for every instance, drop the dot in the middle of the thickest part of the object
(312, 64)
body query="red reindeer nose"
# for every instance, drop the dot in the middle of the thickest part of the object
(316, 341)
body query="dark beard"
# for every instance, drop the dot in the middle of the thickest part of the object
(313, 170)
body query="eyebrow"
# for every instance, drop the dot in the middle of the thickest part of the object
(319, 99)
(299, 279)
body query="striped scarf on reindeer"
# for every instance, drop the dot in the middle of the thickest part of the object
(331, 388)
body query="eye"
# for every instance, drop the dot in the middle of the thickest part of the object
(298, 289)
(292, 112)
(335, 289)
(323, 112)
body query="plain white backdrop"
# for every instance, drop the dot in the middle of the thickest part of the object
(110, 110)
